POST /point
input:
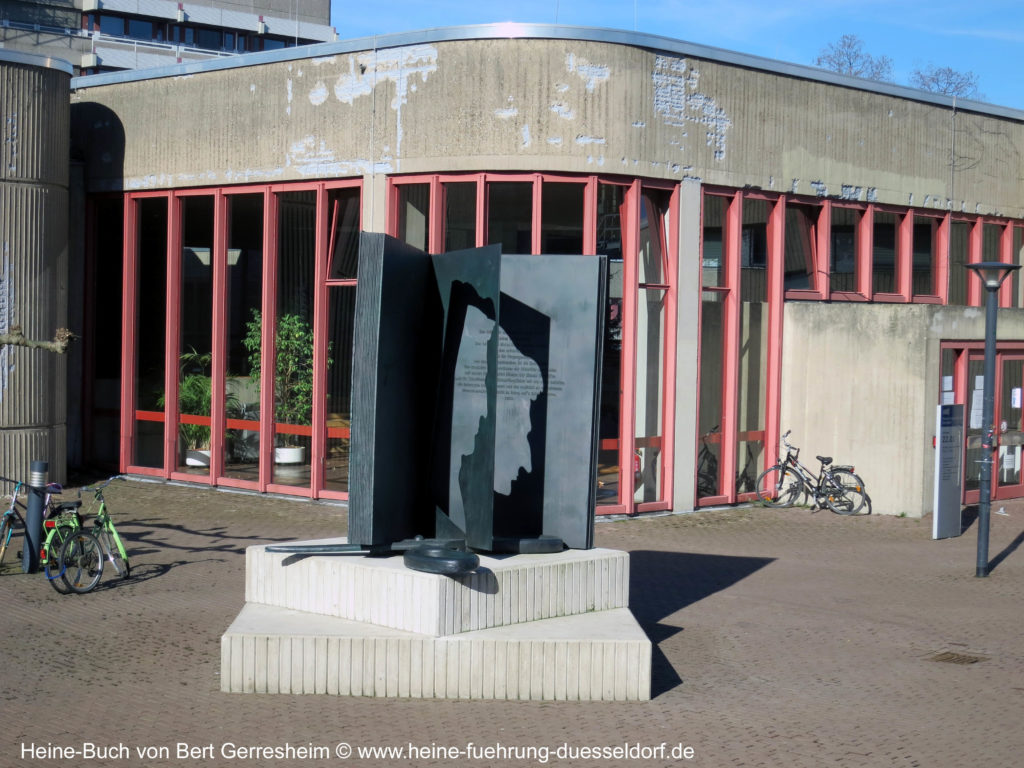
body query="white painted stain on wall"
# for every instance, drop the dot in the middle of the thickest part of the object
(592, 75)
(563, 110)
(680, 103)
(312, 157)
(404, 67)
(288, 109)
(525, 131)
(319, 94)
(6, 316)
(506, 113)
(584, 140)
(11, 141)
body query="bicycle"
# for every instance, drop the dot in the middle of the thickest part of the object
(59, 520)
(84, 551)
(791, 482)
(707, 467)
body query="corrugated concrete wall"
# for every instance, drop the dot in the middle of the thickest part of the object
(34, 157)
(545, 105)
(860, 382)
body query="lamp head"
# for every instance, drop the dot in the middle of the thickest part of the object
(992, 273)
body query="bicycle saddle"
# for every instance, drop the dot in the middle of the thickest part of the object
(825, 459)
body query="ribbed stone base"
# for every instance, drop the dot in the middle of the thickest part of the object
(591, 657)
(554, 627)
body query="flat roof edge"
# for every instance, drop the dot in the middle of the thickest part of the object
(512, 30)
(36, 60)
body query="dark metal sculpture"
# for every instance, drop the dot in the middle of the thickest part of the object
(476, 388)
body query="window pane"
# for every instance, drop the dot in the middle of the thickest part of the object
(341, 320)
(510, 216)
(959, 242)
(561, 218)
(105, 291)
(209, 38)
(843, 264)
(293, 375)
(1016, 258)
(110, 25)
(194, 351)
(460, 215)
(750, 387)
(245, 287)
(924, 256)
(974, 453)
(800, 245)
(609, 204)
(140, 29)
(885, 236)
(654, 223)
(150, 326)
(710, 414)
(650, 377)
(343, 210)
(754, 251)
(990, 237)
(712, 264)
(414, 215)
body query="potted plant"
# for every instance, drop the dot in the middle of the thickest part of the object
(293, 377)
(194, 399)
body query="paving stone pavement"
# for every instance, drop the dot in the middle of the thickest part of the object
(782, 638)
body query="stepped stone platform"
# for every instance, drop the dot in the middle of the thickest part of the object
(554, 626)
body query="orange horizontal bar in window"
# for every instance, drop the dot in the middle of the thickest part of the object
(149, 415)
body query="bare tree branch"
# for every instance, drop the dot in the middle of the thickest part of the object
(948, 81)
(847, 57)
(60, 342)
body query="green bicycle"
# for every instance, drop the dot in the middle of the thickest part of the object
(84, 551)
(60, 519)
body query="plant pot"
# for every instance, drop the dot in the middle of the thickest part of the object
(290, 454)
(197, 458)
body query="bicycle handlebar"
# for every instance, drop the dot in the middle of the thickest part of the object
(98, 488)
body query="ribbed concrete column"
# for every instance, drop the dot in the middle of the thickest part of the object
(34, 157)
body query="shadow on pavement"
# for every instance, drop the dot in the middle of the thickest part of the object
(663, 583)
(1009, 550)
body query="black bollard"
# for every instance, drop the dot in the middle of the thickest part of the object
(34, 517)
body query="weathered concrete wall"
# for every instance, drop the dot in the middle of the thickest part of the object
(860, 382)
(544, 105)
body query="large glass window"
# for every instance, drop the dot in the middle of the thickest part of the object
(510, 215)
(293, 337)
(801, 245)
(753, 356)
(195, 346)
(561, 218)
(844, 244)
(460, 215)
(925, 255)
(610, 199)
(712, 319)
(959, 245)
(885, 236)
(244, 292)
(104, 295)
(414, 215)
(150, 325)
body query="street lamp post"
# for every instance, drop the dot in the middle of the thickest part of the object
(992, 274)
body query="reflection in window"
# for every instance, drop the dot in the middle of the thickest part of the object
(561, 222)
(712, 263)
(245, 287)
(753, 352)
(343, 217)
(924, 255)
(150, 326)
(990, 240)
(414, 215)
(654, 225)
(754, 251)
(510, 215)
(843, 244)
(460, 215)
(800, 245)
(885, 236)
(610, 199)
(1015, 257)
(340, 322)
(959, 243)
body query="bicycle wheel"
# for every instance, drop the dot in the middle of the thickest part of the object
(6, 531)
(52, 565)
(118, 556)
(854, 488)
(839, 499)
(82, 560)
(779, 486)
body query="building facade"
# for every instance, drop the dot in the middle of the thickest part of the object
(787, 251)
(109, 35)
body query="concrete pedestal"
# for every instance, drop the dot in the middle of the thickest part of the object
(551, 627)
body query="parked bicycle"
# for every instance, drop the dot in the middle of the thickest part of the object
(60, 518)
(790, 483)
(707, 466)
(82, 557)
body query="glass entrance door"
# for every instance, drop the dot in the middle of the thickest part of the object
(1009, 419)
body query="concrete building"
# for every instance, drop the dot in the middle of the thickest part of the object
(787, 248)
(108, 35)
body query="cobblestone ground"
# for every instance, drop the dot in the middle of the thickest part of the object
(782, 638)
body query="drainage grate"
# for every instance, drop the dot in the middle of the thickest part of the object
(952, 657)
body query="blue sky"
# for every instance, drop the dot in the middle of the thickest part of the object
(984, 36)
